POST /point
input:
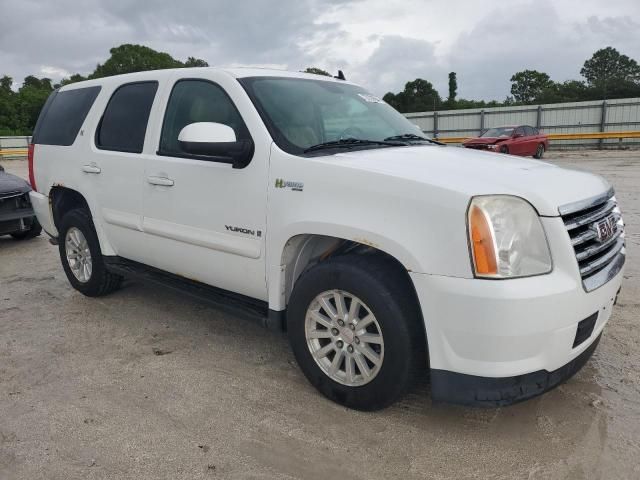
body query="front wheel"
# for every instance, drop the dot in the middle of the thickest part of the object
(356, 332)
(81, 256)
(539, 151)
(504, 149)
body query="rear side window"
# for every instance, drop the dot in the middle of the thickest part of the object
(529, 131)
(124, 123)
(63, 115)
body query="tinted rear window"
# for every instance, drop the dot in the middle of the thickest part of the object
(63, 115)
(124, 122)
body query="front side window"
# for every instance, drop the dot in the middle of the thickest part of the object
(302, 113)
(124, 123)
(194, 101)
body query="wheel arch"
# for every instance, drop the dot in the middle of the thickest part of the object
(304, 250)
(64, 199)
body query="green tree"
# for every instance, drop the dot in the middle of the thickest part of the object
(76, 77)
(9, 118)
(453, 90)
(134, 58)
(31, 97)
(528, 85)
(317, 71)
(607, 67)
(417, 96)
(195, 62)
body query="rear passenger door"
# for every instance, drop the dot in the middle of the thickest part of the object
(113, 172)
(519, 144)
(204, 219)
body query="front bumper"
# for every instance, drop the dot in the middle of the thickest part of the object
(472, 390)
(501, 337)
(16, 213)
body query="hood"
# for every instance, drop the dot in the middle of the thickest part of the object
(473, 172)
(485, 140)
(10, 184)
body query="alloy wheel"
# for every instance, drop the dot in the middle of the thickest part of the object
(344, 338)
(78, 254)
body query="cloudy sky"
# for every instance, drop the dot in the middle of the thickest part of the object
(379, 43)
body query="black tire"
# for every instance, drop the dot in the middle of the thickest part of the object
(33, 232)
(504, 149)
(380, 284)
(101, 281)
(539, 151)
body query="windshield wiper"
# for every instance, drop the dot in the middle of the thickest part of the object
(353, 142)
(412, 136)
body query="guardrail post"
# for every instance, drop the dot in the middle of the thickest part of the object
(435, 125)
(603, 122)
(481, 121)
(539, 117)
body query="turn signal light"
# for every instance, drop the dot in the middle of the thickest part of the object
(482, 242)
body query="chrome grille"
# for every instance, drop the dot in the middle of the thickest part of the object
(599, 257)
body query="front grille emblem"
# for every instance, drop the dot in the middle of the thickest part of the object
(605, 228)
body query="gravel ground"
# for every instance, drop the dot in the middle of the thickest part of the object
(146, 384)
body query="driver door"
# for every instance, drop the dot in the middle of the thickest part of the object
(204, 219)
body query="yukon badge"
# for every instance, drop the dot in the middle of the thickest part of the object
(294, 186)
(246, 231)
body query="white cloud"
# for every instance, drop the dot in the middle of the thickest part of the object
(379, 43)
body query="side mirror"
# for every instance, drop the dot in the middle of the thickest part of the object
(216, 141)
(517, 135)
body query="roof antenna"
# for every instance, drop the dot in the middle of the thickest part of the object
(340, 75)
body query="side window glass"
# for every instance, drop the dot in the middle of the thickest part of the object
(194, 101)
(63, 115)
(519, 131)
(124, 123)
(528, 131)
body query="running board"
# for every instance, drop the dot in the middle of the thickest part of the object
(229, 302)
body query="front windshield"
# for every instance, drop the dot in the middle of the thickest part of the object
(498, 132)
(302, 113)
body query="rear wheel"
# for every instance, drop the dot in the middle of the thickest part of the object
(356, 332)
(81, 256)
(539, 151)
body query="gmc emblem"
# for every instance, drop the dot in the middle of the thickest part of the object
(605, 228)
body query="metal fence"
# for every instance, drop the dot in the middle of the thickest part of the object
(561, 118)
(621, 115)
(13, 147)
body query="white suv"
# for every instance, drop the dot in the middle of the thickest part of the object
(293, 196)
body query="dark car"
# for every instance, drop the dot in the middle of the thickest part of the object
(521, 140)
(16, 214)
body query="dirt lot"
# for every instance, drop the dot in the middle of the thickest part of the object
(83, 395)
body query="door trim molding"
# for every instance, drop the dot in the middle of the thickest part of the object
(234, 244)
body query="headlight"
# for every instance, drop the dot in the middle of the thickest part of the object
(506, 238)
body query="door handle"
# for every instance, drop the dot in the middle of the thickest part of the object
(91, 169)
(163, 181)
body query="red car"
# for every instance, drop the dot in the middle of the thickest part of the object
(515, 139)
